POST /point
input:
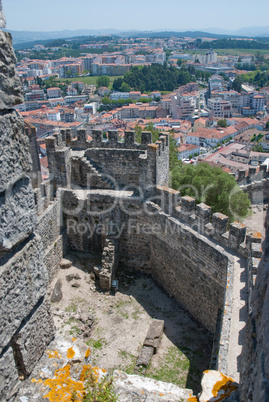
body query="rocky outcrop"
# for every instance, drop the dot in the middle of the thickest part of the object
(254, 383)
(10, 85)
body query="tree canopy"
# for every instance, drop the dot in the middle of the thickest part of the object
(213, 187)
(222, 123)
(155, 77)
(103, 81)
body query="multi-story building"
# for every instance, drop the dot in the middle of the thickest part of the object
(187, 150)
(77, 84)
(119, 95)
(215, 83)
(54, 92)
(183, 107)
(53, 115)
(35, 94)
(211, 57)
(220, 108)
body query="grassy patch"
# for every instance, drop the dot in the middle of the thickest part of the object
(73, 306)
(173, 368)
(130, 361)
(136, 313)
(97, 343)
(74, 331)
(90, 80)
(120, 307)
(241, 51)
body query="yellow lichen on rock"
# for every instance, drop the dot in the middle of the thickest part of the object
(70, 353)
(216, 386)
(87, 353)
(63, 387)
(53, 354)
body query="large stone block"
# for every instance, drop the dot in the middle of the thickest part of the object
(8, 374)
(15, 158)
(10, 85)
(23, 282)
(17, 214)
(31, 341)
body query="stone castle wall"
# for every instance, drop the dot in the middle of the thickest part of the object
(108, 164)
(254, 380)
(187, 265)
(26, 325)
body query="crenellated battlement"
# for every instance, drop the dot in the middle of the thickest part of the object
(97, 163)
(234, 235)
(254, 173)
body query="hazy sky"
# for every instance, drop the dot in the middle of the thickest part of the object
(51, 15)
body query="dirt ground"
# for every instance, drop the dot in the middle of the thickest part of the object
(256, 220)
(114, 324)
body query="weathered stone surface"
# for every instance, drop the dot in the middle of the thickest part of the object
(57, 293)
(75, 285)
(10, 85)
(154, 334)
(216, 386)
(23, 281)
(53, 256)
(17, 214)
(145, 356)
(254, 362)
(69, 277)
(133, 388)
(15, 159)
(31, 341)
(65, 263)
(8, 374)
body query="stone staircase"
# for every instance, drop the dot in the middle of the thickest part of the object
(89, 176)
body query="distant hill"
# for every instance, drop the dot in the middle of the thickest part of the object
(27, 38)
(246, 31)
(32, 36)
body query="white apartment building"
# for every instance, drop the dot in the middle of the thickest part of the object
(186, 150)
(53, 115)
(211, 57)
(119, 95)
(215, 83)
(183, 107)
(220, 108)
(54, 92)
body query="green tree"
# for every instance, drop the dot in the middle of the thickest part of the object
(106, 100)
(267, 125)
(103, 81)
(237, 83)
(259, 56)
(213, 187)
(173, 152)
(258, 148)
(125, 87)
(222, 123)
(117, 83)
